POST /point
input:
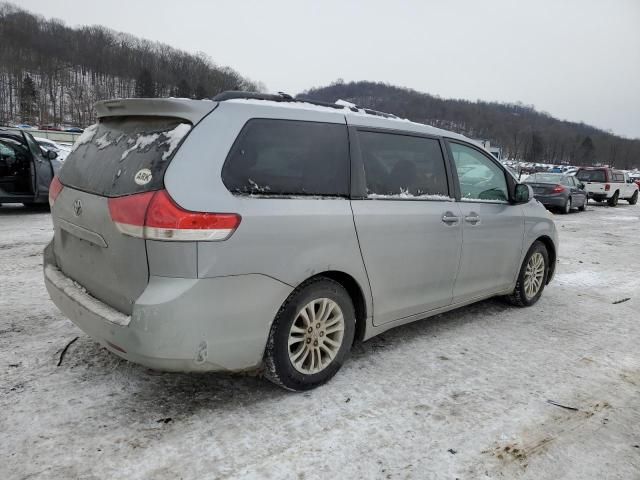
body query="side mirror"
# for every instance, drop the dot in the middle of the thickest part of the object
(51, 155)
(523, 193)
(581, 186)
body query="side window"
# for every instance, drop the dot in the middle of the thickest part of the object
(289, 157)
(402, 166)
(7, 159)
(36, 151)
(479, 177)
(13, 151)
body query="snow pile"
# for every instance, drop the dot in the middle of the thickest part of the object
(79, 294)
(170, 138)
(258, 188)
(173, 138)
(103, 142)
(405, 194)
(86, 136)
(140, 143)
(482, 200)
(344, 103)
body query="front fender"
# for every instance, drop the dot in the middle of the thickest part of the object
(539, 225)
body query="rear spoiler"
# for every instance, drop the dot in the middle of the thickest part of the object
(191, 110)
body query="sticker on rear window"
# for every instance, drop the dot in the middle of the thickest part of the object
(143, 176)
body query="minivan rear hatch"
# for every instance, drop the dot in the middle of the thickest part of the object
(123, 154)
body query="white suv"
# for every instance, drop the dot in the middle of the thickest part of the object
(607, 184)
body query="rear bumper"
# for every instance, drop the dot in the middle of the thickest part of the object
(551, 200)
(178, 324)
(598, 197)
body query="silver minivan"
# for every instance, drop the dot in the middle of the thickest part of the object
(262, 231)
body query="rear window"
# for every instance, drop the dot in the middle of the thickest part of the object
(546, 178)
(591, 176)
(289, 157)
(123, 155)
(402, 166)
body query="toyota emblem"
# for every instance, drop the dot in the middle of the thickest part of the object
(77, 207)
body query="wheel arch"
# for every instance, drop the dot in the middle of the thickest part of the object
(356, 293)
(551, 250)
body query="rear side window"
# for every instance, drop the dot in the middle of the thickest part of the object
(123, 155)
(289, 157)
(591, 176)
(402, 166)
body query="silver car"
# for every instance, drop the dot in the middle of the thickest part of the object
(261, 231)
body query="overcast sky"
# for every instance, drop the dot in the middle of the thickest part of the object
(578, 60)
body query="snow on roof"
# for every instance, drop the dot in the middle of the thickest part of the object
(357, 117)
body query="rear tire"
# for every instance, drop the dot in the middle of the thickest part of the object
(613, 201)
(634, 198)
(532, 277)
(567, 206)
(308, 343)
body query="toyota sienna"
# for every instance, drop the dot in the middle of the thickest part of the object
(262, 231)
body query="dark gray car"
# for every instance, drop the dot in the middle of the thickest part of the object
(558, 191)
(269, 232)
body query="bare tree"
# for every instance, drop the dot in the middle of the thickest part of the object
(70, 69)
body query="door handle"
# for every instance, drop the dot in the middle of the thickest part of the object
(450, 219)
(473, 219)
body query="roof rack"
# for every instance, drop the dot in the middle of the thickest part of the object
(283, 97)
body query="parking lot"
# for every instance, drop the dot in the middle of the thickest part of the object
(487, 391)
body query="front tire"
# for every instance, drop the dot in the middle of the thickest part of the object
(634, 198)
(532, 277)
(584, 205)
(311, 335)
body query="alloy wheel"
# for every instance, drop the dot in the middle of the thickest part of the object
(316, 336)
(534, 275)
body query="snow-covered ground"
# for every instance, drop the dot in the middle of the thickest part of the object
(464, 395)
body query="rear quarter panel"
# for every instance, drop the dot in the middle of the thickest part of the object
(289, 239)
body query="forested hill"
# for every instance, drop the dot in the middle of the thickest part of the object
(521, 131)
(51, 73)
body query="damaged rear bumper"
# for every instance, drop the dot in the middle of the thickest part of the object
(178, 324)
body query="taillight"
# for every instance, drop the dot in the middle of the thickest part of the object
(607, 187)
(155, 216)
(55, 187)
(128, 213)
(558, 189)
